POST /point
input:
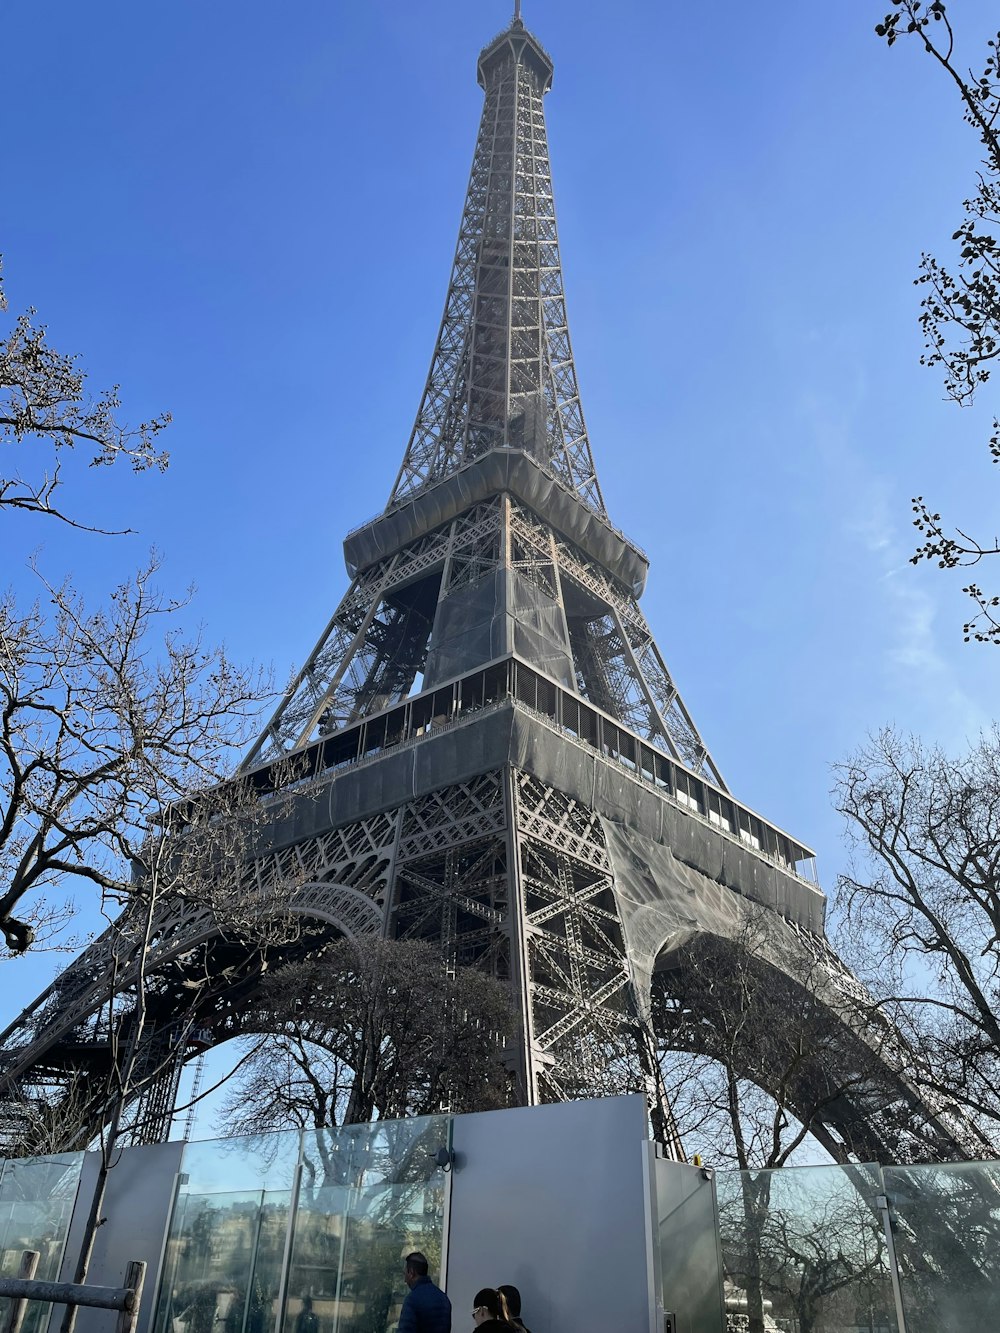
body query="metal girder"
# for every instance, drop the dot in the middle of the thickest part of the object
(337, 880)
(502, 373)
(851, 1078)
(501, 872)
(466, 894)
(626, 673)
(618, 665)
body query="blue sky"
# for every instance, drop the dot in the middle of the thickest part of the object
(245, 214)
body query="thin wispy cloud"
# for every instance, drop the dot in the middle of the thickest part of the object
(925, 677)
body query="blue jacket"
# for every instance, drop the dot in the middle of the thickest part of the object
(426, 1309)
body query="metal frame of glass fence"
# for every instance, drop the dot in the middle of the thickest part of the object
(315, 1244)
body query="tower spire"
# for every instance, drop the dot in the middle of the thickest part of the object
(502, 375)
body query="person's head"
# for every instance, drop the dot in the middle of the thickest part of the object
(513, 1298)
(490, 1304)
(307, 1304)
(416, 1267)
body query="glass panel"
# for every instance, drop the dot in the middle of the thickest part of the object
(368, 1194)
(946, 1231)
(36, 1203)
(223, 1263)
(687, 1241)
(804, 1250)
(253, 1162)
(227, 1237)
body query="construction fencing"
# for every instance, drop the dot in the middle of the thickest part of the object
(303, 1233)
(862, 1249)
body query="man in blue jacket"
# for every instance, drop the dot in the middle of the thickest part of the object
(426, 1308)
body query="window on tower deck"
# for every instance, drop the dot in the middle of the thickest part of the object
(750, 829)
(689, 792)
(664, 771)
(719, 812)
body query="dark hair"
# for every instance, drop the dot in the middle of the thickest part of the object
(418, 1262)
(513, 1298)
(494, 1301)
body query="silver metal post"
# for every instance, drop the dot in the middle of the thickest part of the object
(882, 1203)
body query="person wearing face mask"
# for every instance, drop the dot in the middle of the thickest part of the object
(489, 1312)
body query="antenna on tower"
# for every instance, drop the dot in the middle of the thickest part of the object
(517, 11)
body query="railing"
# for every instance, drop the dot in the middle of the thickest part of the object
(509, 679)
(24, 1288)
(723, 832)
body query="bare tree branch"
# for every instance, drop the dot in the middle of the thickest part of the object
(45, 410)
(373, 1026)
(922, 907)
(100, 730)
(960, 310)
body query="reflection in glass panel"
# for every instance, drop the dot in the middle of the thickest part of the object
(687, 1240)
(946, 1231)
(36, 1204)
(223, 1263)
(804, 1250)
(249, 1162)
(368, 1195)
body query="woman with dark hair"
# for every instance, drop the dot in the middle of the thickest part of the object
(489, 1311)
(513, 1298)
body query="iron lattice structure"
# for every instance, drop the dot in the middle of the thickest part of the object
(491, 753)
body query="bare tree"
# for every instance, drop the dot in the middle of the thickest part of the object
(401, 1038)
(37, 1126)
(819, 1242)
(114, 751)
(100, 730)
(752, 1098)
(365, 1028)
(45, 410)
(198, 852)
(960, 311)
(922, 906)
(287, 1082)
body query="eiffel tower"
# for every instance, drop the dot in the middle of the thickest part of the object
(497, 757)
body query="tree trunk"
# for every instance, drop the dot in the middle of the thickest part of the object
(94, 1218)
(756, 1199)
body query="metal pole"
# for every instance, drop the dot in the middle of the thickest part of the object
(286, 1256)
(882, 1203)
(252, 1270)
